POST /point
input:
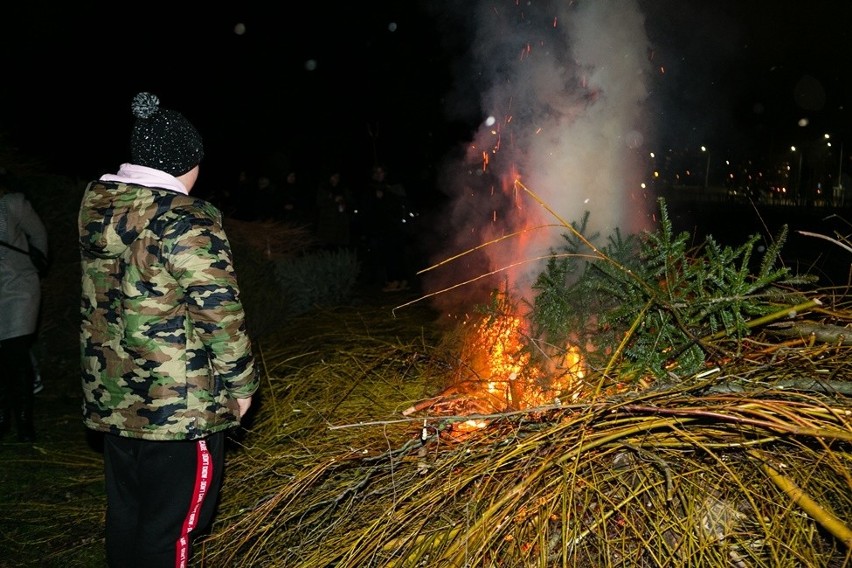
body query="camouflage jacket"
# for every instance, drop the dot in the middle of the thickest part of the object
(164, 348)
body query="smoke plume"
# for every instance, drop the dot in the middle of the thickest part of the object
(559, 90)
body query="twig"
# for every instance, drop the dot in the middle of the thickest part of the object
(826, 333)
(816, 511)
(819, 236)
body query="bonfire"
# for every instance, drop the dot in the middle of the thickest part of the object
(510, 444)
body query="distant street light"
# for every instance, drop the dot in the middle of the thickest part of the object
(798, 173)
(839, 162)
(840, 169)
(707, 169)
(837, 190)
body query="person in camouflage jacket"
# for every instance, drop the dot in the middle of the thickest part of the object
(164, 343)
(167, 364)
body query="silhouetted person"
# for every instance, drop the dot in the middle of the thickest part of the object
(383, 210)
(239, 202)
(20, 302)
(298, 204)
(333, 202)
(267, 201)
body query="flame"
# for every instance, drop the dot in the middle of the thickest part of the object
(499, 375)
(470, 425)
(505, 378)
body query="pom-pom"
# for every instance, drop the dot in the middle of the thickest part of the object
(145, 105)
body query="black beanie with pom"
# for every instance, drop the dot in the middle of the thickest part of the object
(163, 139)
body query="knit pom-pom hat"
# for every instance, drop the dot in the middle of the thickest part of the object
(163, 139)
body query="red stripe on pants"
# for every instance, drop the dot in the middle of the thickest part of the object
(203, 473)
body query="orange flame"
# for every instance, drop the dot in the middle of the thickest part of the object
(505, 377)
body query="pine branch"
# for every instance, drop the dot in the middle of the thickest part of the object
(655, 302)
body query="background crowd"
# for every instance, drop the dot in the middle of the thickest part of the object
(369, 213)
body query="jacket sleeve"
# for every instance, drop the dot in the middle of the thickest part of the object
(201, 261)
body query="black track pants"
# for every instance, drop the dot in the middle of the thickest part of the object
(157, 494)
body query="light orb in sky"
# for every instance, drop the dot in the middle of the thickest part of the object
(240, 28)
(803, 121)
(311, 64)
(392, 26)
(490, 121)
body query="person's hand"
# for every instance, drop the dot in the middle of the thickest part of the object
(244, 404)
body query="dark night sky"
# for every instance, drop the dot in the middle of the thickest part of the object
(744, 73)
(71, 72)
(389, 82)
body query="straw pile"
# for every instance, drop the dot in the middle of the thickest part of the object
(746, 464)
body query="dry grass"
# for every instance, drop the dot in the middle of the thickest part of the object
(724, 470)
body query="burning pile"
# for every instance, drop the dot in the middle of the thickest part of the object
(747, 466)
(713, 428)
(502, 370)
(496, 373)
